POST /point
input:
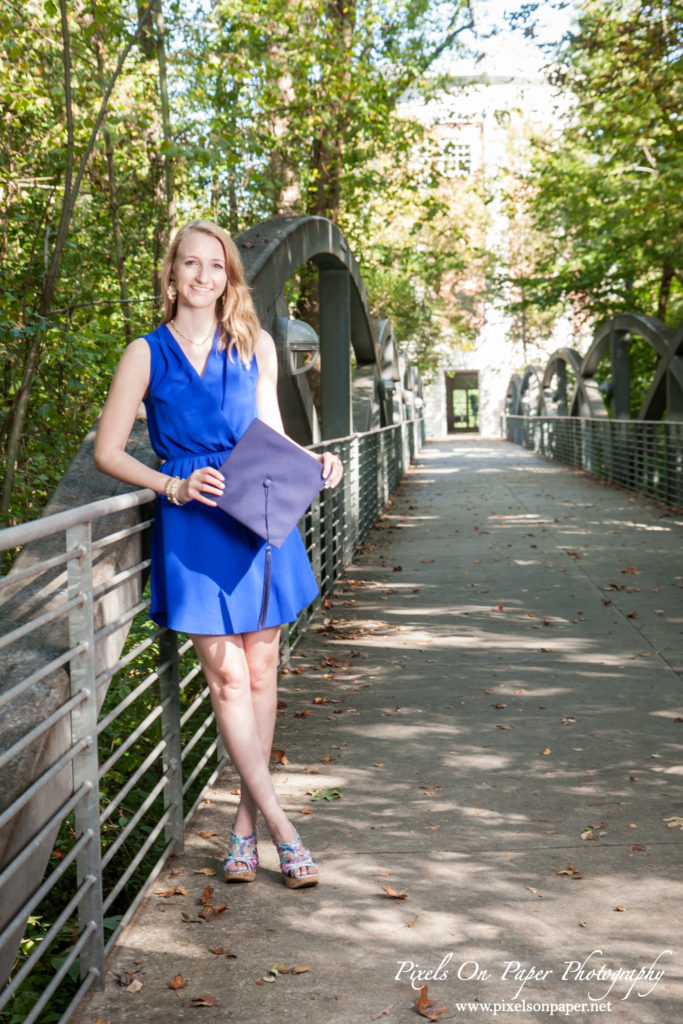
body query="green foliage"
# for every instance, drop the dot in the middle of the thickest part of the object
(274, 107)
(605, 196)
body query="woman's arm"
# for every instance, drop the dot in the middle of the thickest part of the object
(267, 405)
(269, 410)
(127, 390)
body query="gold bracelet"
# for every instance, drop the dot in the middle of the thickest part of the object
(171, 490)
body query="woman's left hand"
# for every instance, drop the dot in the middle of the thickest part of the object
(333, 468)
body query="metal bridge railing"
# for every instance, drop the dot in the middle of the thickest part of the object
(140, 763)
(643, 455)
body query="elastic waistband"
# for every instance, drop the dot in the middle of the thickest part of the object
(196, 460)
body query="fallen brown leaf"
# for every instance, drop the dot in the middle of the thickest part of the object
(278, 756)
(546, 751)
(177, 982)
(221, 951)
(620, 909)
(424, 1006)
(134, 986)
(204, 871)
(197, 1001)
(570, 871)
(209, 912)
(167, 893)
(393, 895)
(188, 919)
(207, 835)
(375, 1016)
(126, 977)
(207, 893)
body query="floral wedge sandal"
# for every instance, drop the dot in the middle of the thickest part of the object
(241, 859)
(293, 858)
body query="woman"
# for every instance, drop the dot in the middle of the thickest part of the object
(204, 375)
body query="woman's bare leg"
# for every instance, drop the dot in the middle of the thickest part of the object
(226, 664)
(261, 653)
(241, 672)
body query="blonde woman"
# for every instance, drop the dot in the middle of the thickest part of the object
(204, 375)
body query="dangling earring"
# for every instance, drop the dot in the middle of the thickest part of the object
(172, 291)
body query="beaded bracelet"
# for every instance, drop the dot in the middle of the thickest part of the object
(171, 490)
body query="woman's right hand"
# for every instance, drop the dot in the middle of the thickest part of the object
(200, 483)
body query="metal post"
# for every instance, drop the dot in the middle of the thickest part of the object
(172, 763)
(621, 382)
(335, 341)
(315, 552)
(674, 394)
(86, 763)
(383, 475)
(353, 490)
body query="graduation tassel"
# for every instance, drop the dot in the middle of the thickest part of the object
(266, 573)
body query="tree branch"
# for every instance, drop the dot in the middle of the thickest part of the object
(430, 57)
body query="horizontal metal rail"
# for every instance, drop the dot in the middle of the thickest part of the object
(642, 455)
(155, 733)
(59, 522)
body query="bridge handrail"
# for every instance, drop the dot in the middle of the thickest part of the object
(174, 718)
(57, 522)
(642, 455)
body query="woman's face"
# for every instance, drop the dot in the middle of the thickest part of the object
(199, 270)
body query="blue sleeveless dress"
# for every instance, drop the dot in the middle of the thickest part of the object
(208, 569)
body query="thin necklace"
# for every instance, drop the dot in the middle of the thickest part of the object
(196, 344)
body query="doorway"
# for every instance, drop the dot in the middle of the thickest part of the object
(462, 401)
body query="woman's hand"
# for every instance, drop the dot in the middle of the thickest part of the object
(201, 482)
(333, 469)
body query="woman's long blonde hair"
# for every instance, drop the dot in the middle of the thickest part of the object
(237, 320)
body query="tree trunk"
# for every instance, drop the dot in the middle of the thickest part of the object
(113, 198)
(50, 281)
(287, 197)
(665, 282)
(171, 215)
(161, 171)
(328, 148)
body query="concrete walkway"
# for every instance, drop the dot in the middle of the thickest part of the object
(495, 692)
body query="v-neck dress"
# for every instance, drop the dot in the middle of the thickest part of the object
(208, 569)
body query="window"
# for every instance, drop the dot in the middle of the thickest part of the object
(454, 159)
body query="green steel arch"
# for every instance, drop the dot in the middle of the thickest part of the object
(664, 397)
